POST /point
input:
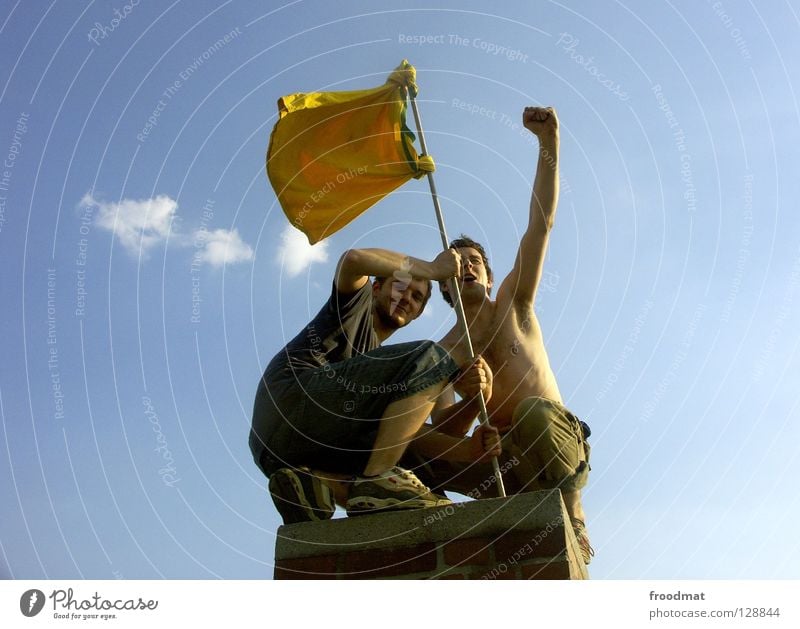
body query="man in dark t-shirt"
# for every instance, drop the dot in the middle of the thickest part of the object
(335, 410)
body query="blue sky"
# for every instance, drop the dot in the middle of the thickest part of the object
(148, 275)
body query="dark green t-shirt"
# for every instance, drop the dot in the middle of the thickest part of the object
(342, 329)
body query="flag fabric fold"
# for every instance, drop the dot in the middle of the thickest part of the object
(332, 155)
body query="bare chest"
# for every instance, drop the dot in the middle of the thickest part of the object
(507, 334)
(513, 346)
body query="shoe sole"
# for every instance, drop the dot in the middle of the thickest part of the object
(365, 505)
(292, 503)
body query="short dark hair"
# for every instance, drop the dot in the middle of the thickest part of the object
(381, 280)
(466, 241)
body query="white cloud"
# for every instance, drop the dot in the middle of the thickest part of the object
(295, 254)
(137, 223)
(143, 223)
(222, 246)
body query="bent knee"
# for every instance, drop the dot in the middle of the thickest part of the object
(434, 349)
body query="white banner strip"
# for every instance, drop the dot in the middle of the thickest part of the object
(400, 604)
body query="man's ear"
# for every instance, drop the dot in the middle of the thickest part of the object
(376, 286)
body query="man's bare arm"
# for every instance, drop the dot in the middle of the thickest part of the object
(357, 265)
(521, 284)
(482, 445)
(451, 417)
(456, 418)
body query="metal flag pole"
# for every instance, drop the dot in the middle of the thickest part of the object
(455, 291)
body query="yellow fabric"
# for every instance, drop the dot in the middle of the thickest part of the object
(332, 155)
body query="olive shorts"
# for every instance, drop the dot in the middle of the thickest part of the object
(546, 448)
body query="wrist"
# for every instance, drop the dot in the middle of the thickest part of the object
(433, 272)
(549, 140)
(421, 269)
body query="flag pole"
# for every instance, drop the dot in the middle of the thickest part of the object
(455, 291)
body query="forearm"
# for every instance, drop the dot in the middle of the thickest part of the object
(544, 198)
(456, 419)
(433, 444)
(383, 263)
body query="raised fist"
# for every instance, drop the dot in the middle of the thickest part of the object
(540, 120)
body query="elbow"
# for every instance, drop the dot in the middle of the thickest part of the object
(543, 216)
(545, 222)
(351, 256)
(548, 219)
(350, 259)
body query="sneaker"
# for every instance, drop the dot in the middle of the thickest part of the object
(579, 528)
(393, 490)
(299, 496)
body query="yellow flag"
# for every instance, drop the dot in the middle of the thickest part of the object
(332, 155)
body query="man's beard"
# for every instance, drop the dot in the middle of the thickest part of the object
(386, 319)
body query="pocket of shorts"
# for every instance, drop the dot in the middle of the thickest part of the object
(583, 433)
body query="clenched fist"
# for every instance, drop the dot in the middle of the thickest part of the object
(540, 120)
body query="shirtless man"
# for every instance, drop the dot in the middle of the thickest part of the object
(544, 444)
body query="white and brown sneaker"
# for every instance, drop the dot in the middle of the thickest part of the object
(393, 490)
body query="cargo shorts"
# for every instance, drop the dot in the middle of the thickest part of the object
(546, 448)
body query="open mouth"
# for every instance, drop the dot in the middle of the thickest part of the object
(469, 278)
